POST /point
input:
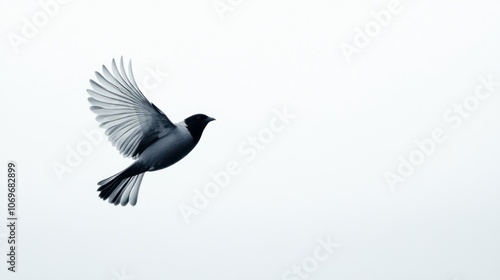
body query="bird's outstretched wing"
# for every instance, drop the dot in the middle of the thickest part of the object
(131, 122)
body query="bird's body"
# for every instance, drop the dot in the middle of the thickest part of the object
(179, 142)
(139, 130)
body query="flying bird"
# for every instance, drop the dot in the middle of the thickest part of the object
(138, 129)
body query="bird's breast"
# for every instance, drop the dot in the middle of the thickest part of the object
(168, 150)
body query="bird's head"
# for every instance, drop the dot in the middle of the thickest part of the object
(196, 124)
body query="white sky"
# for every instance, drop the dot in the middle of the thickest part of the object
(323, 175)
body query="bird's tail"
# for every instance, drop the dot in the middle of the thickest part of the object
(122, 187)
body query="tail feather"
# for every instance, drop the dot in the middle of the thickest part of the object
(122, 187)
(115, 196)
(135, 190)
(107, 180)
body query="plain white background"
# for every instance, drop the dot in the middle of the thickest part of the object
(321, 176)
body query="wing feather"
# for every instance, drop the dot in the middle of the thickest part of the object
(130, 121)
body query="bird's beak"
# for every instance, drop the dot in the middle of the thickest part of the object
(209, 119)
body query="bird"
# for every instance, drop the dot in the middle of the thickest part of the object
(139, 130)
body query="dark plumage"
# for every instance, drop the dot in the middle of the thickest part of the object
(139, 130)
